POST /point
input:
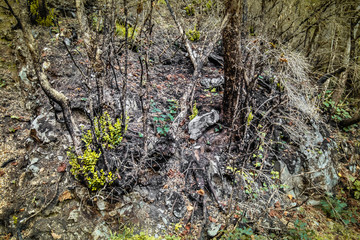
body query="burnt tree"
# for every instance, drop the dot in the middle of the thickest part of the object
(233, 67)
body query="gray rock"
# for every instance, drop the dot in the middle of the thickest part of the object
(101, 232)
(34, 169)
(176, 203)
(47, 129)
(200, 123)
(212, 82)
(101, 204)
(74, 215)
(33, 161)
(213, 229)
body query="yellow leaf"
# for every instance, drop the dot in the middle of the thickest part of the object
(55, 236)
(290, 196)
(339, 174)
(189, 208)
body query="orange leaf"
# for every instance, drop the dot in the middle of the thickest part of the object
(66, 195)
(211, 219)
(201, 192)
(61, 167)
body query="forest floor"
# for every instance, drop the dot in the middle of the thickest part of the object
(40, 199)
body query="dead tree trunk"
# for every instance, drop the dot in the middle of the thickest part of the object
(233, 67)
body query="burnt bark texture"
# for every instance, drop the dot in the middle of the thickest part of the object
(233, 67)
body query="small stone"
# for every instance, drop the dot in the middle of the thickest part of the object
(101, 204)
(33, 161)
(213, 229)
(74, 215)
(101, 232)
(34, 169)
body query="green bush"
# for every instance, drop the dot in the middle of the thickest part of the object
(193, 35)
(121, 31)
(109, 135)
(338, 210)
(44, 21)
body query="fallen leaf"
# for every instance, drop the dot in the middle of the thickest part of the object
(21, 209)
(283, 60)
(66, 195)
(61, 168)
(277, 204)
(290, 196)
(55, 236)
(189, 208)
(197, 155)
(33, 135)
(201, 192)
(211, 219)
(14, 163)
(165, 187)
(2, 173)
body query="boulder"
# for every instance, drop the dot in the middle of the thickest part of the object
(200, 123)
(212, 82)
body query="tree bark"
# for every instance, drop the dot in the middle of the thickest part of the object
(233, 67)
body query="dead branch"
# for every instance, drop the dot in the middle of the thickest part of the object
(50, 92)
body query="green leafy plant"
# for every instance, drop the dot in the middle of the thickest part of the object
(2, 83)
(163, 119)
(44, 21)
(243, 233)
(195, 112)
(121, 31)
(109, 135)
(337, 210)
(190, 10)
(356, 188)
(193, 34)
(300, 231)
(338, 112)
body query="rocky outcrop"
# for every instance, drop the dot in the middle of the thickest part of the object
(200, 123)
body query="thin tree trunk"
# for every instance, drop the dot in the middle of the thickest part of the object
(233, 69)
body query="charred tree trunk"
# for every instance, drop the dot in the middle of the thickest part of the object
(233, 67)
